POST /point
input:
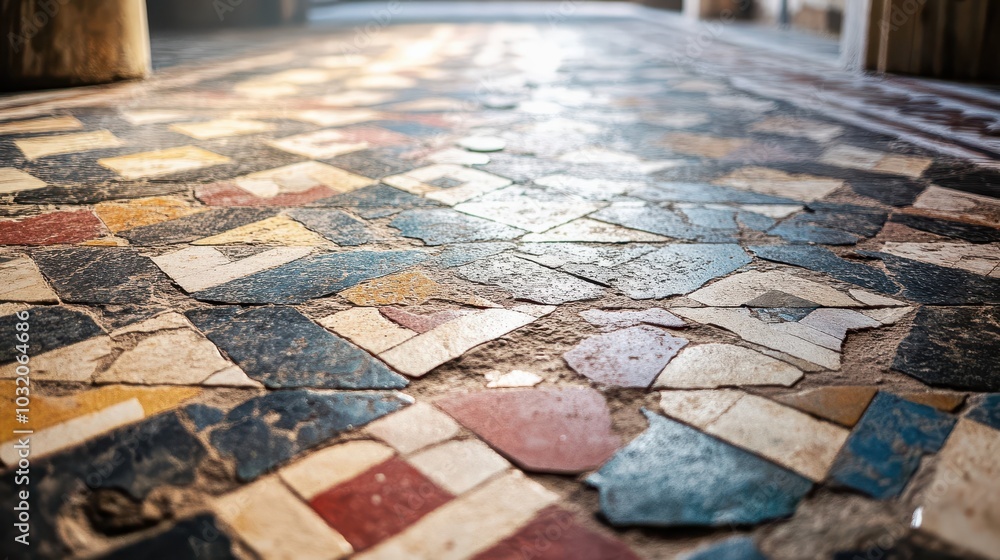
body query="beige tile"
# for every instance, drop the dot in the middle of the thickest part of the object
(121, 216)
(784, 435)
(961, 504)
(459, 465)
(469, 524)
(140, 117)
(44, 124)
(170, 357)
(367, 328)
(277, 525)
(199, 268)
(317, 472)
(751, 329)
(739, 289)
(978, 259)
(409, 288)
(725, 365)
(162, 162)
(231, 376)
(76, 362)
(424, 352)
(472, 182)
(874, 300)
(380, 81)
(221, 128)
(699, 408)
(322, 144)
(806, 188)
(596, 155)
(301, 177)
(513, 378)
(299, 76)
(277, 230)
(586, 230)
(456, 156)
(704, 145)
(14, 180)
(889, 315)
(42, 146)
(265, 90)
(961, 205)
(20, 280)
(413, 428)
(325, 117)
(853, 157)
(77, 430)
(799, 128)
(843, 404)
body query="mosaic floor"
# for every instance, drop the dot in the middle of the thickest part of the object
(491, 291)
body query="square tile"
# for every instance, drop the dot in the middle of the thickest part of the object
(326, 468)
(43, 124)
(413, 428)
(459, 465)
(42, 146)
(163, 162)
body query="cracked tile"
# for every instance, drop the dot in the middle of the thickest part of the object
(529, 281)
(460, 183)
(629, 357)
(724, 365)
(162, 162)
(853, 157)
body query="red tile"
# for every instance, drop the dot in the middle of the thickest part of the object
(545, 430)
(228, 194)
(420, 323)
(555, 535)
(52, 228)
(379, 503)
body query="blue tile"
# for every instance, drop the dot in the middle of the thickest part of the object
(821, 259)
(953, 347)
(334, 225)
(677, 269)
(662, 221)
(986, 410)
(282, 348)
(195, 537)
(311, 277)
(529, 281)
(733, 548)
(103, 275)
(441, 225)
(51, 328)
(267, 431)
(885, 447)
(464, 253)
(675, 475)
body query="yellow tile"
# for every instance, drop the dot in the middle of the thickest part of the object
(162, 162)
(44, 124)
(279, 230)
(49, 411)
(406, 288)
(13, 180)
(41, 146)
(121, 216)
(220, 128)
(300, 177)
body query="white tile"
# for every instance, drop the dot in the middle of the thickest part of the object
(170, 357)
(514, 378)
(471, 182)
(979, 259)
(322, 144)
(738, 289)
(300, 177)
(413, 428)
(853, 157)
(42, 146)
(221, 128)
(367, 328)
(76, 362)
(20, 280)
(459, 465)
(199, 268)
(14, 180)
(525, 212)
(725, 365)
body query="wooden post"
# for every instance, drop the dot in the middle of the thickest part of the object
(60, 43)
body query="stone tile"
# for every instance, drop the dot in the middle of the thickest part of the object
(65, 344)
(407, 288)
(704, 145)
(964, 513)
(821, 259)
(379, 503)
(733, 548)
(194, 537)
(887, 444)
(276, 524)
(554, 535)
(286, 423)
(43, 146)
(958, 230)
(334, 225)
(457, 254)
(597, 155)
(126, 215)
(199, 268)
(661, 221)
(190, 228)
(328, 467)
(674, 475)
(980, 259)
(139, 117)
(986, 410)
(414, 428)
(799, 128)
(162, 162)
(586, 230)
(841, 404)
(329, 143)
(221, 128)
(725, 365)
(513, 378)
(941, 400)
(422, 323)
(831, 224)
(529, 281)
(963, 206)
(20, 280)
(43, 124)
(102, 275)
(367, 328)
(677, 269)
(459, 465)
(298, 183)
(468, 524)
(790, 438)
(611, 320)
(299, 353)
(14, 180)
(938, 285)
(422, 353)
(743, 323)
(277, 230)
(169, 357)
(771, 289)
(51, 229)
(585, 187)
(853, 157)
(311, 277)
(763, 180)
(443, 226)
(465, 183)
(597, 264)
(456, 156)
(952, 347)
(528, 209)
(542, 430)
(629, 357)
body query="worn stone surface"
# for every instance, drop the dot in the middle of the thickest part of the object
(608, 320)
(193, 537)
(674, 475)
(733, 548)
(843, 405)
(53, 228)
(886, 446)
(629, 357)
(724, 365)
(441, 226)
(459, 465)
(952, 347)
(529, 281)
(413, 428)
(564, 538)
(986, 410)
(823, 260)
(677, 269)
(544, 430)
